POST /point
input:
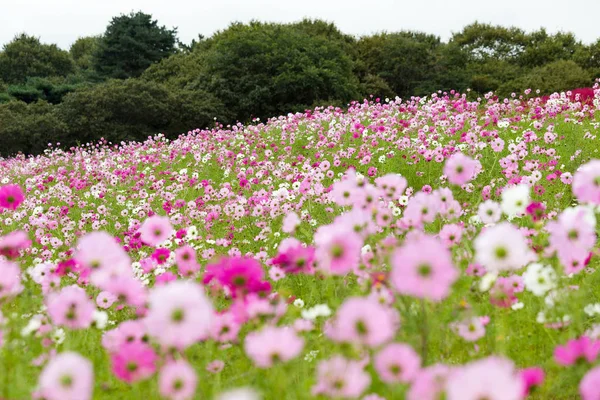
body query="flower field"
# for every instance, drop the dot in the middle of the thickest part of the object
(426, 248)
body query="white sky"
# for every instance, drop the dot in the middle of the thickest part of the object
(63, 21)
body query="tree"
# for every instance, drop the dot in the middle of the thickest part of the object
(133, 109)
(542, 48)
(131, 44)
(28, 128)
(484, 42)
(264, 70)
(26, 57)
(404, 60)
(556, 76)
(83, 51)
(49, 89)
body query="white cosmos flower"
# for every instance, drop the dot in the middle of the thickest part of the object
(515, 200)
(539, 279)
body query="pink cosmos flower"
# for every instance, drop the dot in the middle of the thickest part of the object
(575, 350)
(13, 243)
(273, 344)
(215, 366)
(397, 362)
(156, 230)
(225, 328)
(67, 376)
(589, 387)
(339, 377)
(430, 383)
(105, 299)
(177, 380)
(72, 308)
(337, 249)
(127, 332)
(573, 237)
(100, 253)
(451, 234)
(128, 290)
(185, 258)
(492, 378)
(290, 222)
(179, 314)
(11, 196)
(392, 185)
(133, 362)
(423, 268)
(460, 169)
(471, 329)
(422, 209)
(10, 279)
(361, 320)
(586, 183)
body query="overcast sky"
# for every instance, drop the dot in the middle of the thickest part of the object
(63, 21)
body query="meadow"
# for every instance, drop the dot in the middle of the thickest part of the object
(425, 248)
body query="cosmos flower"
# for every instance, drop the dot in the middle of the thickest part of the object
(11, 197)
(156, 230)
(177, 380)
(493, 378)
(272, 345)
(397, 362)
(360, 320)
(423, 268)
(67, 376)
(179, 314)
(502, 247)
(339, 377)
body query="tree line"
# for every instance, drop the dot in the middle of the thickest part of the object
(138, 79)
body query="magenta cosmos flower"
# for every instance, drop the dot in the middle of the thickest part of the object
(11, 196)
(273, 344)
(177, 380)
(583, 348)
(240, 275)
(179, 314)
(423, 268)
(67, 376)
(155, 230)
(294, 258)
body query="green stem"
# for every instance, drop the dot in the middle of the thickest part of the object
(424, 333)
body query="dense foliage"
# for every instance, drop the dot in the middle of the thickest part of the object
(258, 70)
